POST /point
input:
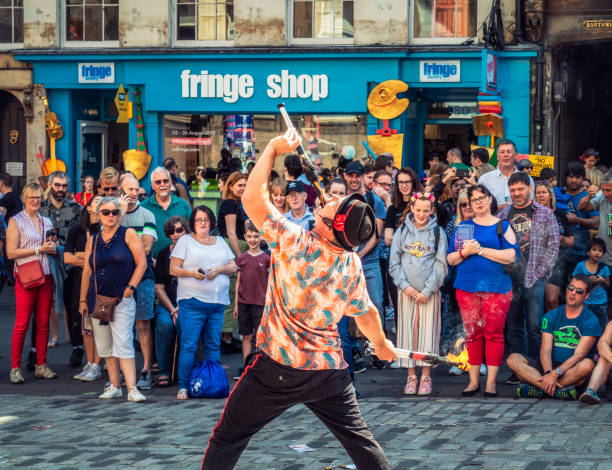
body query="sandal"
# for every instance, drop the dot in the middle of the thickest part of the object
(52, 343)
(163, 381)
(182, 394)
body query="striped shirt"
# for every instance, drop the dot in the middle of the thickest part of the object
(29, 237)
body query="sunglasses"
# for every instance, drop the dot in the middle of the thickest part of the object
(463, 205)
(113, 212)
(177, 230)
(164, 181)
(578, 290)
(109, 188)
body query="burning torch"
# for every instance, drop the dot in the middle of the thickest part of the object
(460, 360)
(309, 169)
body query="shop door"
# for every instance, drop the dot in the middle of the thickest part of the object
(92, 148)
(13, 138)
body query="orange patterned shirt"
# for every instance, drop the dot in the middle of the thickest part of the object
(312, 285)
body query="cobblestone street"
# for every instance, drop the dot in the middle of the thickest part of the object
(62, 424)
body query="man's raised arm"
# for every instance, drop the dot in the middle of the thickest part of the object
(256, 197)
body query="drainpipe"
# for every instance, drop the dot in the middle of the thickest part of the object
(539, 97)
(519, 8)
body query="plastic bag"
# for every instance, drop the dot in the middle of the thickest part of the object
(208, 380)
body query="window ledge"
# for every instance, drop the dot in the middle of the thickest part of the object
(438, 41)
(187, 43)
(90, 44)
(320, 41)
(9, 46)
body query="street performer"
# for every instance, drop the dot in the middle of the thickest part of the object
(315, 279)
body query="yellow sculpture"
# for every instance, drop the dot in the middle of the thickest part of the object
(137, 162)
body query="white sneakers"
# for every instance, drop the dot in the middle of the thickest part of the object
(90, 372)
(136, 396)
(111, 392)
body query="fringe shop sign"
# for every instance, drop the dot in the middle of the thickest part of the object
(231, 87)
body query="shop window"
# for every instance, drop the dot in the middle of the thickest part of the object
(11, 21)
(325, 20)
(92, 20)
(197, 140)
(443, 20)
(204, 20)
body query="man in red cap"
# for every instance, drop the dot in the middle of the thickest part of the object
(315, 279)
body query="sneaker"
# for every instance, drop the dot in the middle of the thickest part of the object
(358, 364)
(411, 385)
(121, 380)
(513, 380)
(483, 369)
(389, 313)
(16, 376)
(528, 391)
(43, 372)
(145, 381)
(566, 393)
(377, 363)
(589, 396)
(455, 371)
(239, 373)
(76, 358)
(425, 386)
(394, 365)
(80, 375)
(111, 392)
(93, 373)
(136, 396)
(31, 362)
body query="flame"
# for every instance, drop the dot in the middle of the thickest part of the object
(461, 359)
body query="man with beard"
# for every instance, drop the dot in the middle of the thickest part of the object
(64, 213)
(163, 204)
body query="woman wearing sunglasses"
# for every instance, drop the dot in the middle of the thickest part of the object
(120, 263)
(483, 288)
(166, 311)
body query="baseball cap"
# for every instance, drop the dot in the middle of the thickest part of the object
(354, 223)
(296, 186)
(354, 167)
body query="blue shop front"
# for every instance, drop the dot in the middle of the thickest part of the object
(195, 105)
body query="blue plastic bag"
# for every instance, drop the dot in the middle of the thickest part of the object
(208, 380)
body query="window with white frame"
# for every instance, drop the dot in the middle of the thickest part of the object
(204, 20)
(11, 21)
(323, 19)
(443, 20)
(92, 20)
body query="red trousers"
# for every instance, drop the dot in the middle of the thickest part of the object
(484, 316)
(37, 299)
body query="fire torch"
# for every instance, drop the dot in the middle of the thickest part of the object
(460, 360)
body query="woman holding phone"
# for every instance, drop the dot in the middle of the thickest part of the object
(26, 244)
(203, 263)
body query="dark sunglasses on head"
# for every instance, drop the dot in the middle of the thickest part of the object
(113, 212)
(109, 188)
(177, 230)
(578, 290)
(164, 181)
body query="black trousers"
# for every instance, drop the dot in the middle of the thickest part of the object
(268, 388)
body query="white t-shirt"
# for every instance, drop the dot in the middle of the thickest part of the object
(196, 256)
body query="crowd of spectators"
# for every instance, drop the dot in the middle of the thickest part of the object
(517, 266)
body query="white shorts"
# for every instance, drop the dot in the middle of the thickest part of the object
(116, 339)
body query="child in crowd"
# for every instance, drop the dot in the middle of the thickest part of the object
(418, 267)
(251, 286)
(599, 275)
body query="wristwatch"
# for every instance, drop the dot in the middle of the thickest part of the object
(559, 372)
(131, 287)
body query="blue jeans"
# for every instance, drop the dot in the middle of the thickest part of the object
(347, 344)
(164, 339)
(525, 318)
(197, 318)
(374, 284)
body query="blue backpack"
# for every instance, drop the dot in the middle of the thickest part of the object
(208, 380)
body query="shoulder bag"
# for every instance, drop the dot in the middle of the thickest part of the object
(104, 308)
(31, 274)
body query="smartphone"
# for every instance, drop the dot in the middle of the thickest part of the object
(462, 173)
(51, 235)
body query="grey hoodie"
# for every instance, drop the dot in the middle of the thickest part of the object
(412, 261)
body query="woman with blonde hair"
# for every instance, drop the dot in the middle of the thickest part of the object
(26, 244)
(278, 194)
